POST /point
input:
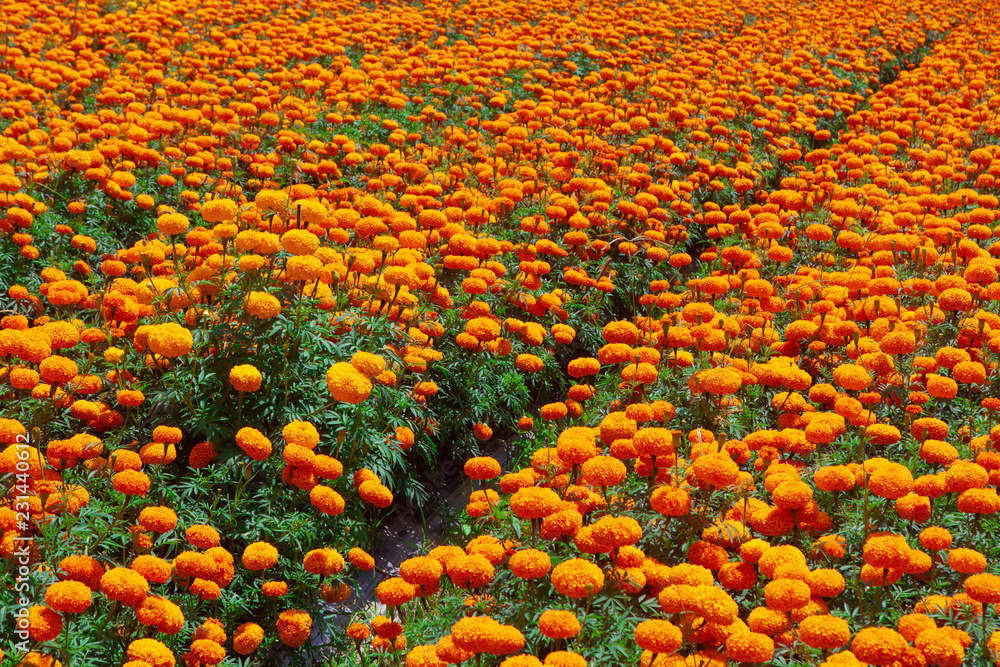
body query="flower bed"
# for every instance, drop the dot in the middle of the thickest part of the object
(725, 276)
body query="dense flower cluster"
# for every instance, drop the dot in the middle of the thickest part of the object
(780, 218)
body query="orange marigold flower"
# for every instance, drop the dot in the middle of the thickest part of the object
(852, 376)
(984, 588)
(658, 636)
(124, 585)
(530, 564)
(966, 561)
(151, 652)
(158, 519)
(245, 378)
(878, 646)
(360, 559)
(294, 626)
(44, 624)
(577, 578)
(253, 443)
(394, 592)
(347, 384)
(68, 596)
(749, 647)
(260, 556)
(534, 502)
(824, 631)
(482, 467)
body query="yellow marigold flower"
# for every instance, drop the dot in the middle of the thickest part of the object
(558, 624)
(347, 384)
(244, 378)
(170, 340)
(299, 242)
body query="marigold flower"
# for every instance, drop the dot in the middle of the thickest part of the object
(530, 564)
(395, 591)
(534, 502)
(347, 384)
(472, 571)
(170, 340)
(202, 536)
(360, 559)
(358, 632)
(878, 646)
(43, 623)
(421, 571)
(786, 594)
(294, 626)
(966, 561)
(68, 596)
(558, 624)
(852, 377)
(671, 501)
(603, 471)
(260, 556)
(375, 493)
(577, 578)
(482, 467)
(824, 632)
(131, 482)
(716, 470)
(262, 305)
(161, 614)
(158, 519)
(658, 636)
(152, 569)
(253, 443)
(151, 652)
(245, 378)
(124, 585)
(323, 562)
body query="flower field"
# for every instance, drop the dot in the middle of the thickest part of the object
(721, 281)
